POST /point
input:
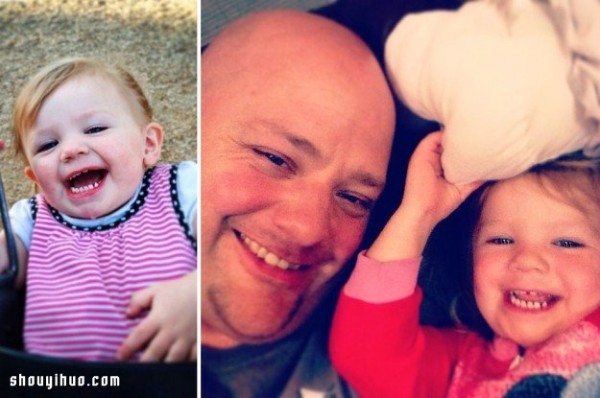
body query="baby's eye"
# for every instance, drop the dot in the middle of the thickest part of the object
(567, 243)
(46, 146)
(95, 129)
(500, 241)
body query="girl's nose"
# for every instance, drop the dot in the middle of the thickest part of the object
(529, 259)
(71, 150)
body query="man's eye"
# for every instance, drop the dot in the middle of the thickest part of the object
(500, 241)
(567, 243)
(95, 129)
(364, 204)
(276, 160)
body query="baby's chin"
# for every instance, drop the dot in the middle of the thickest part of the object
(534, 339)
(84, 214)
(89, 211)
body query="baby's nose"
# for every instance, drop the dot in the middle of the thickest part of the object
(72, 150)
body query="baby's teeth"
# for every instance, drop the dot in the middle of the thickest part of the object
(85, 188)
(528, 304)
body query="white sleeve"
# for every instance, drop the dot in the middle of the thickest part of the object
(22, 221)
(187, 191)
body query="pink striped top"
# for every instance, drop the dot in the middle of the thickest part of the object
(80, 281)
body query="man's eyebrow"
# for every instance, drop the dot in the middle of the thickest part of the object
(368, 180)
(309, 148)
(296, 140)
(302, 143)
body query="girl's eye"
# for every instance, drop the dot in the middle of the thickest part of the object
(46, 146)
(500, 241)
(95, 129)
(567, 243)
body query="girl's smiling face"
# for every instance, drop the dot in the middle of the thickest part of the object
(88, 147)
(536, 261)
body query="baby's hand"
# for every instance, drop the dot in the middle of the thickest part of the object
(428, 198)
(169, 331)
(427, 191)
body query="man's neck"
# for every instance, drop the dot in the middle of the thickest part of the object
(213, 338)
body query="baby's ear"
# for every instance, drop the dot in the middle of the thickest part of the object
(153, 134)
(29, 173)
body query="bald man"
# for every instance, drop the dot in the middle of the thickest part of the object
(297, 127)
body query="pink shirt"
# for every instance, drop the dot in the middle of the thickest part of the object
(379, 347)
(80, 281)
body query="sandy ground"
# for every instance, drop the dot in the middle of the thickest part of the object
(154, 39)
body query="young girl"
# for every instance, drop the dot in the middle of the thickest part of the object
(107, 222)
(536, 279)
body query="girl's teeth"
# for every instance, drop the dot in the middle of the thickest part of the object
(85, 188)
(529, 300)
(268, 257)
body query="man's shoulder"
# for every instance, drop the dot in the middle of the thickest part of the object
(314, 375)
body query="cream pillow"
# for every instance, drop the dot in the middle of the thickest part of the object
(496, 78)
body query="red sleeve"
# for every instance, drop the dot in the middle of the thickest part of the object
(594, 318)
(382, 351)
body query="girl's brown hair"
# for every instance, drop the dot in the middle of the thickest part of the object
(573, 179)
(44, 82)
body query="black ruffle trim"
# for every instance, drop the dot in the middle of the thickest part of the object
(176, 206)
(137, 204)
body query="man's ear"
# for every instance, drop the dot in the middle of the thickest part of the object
(153, 134)
(29, 173)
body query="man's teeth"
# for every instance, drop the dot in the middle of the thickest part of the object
(268, 257)
(529, 300)
(85, 188)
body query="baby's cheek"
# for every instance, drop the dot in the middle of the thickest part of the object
(589, 286)
(479, 274)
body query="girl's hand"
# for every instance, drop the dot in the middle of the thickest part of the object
(428, 199)
(168, 333)
(427, 192)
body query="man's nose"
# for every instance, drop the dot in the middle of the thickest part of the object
(72, 148)
(529, 259)
(306, 217)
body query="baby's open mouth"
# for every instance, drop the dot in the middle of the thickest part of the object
(86, 180)
(531, 300)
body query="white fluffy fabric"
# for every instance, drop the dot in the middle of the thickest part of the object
(498, 76)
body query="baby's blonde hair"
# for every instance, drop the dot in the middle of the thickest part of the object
(576, 181)
(48, 79)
